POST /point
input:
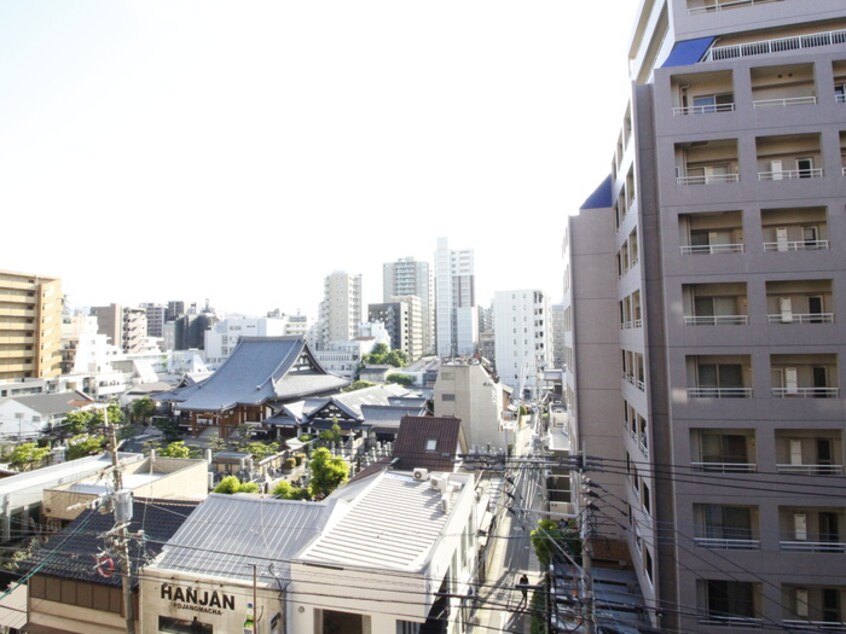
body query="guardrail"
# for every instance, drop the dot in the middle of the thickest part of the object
(707, 180)
(710, 249)
(725, 467)
(812, 547)
(716, 107)
(721, 6)
(805, 392)
(796, 245)
(719, 392)
(778, 45)
(801, 318)
(716, 320)
(783, 103)
(727, 544)
(810, 469)
(813, 172)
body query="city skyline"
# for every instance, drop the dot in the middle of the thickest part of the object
(243, 155)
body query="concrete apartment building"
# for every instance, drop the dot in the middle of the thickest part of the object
(407, 277)
(30, 326)
(126, 328)
(401, 319)
(341, 310)
(704, 285)
(522, 330)
(155, 319)
(222, 337)
(456, 313)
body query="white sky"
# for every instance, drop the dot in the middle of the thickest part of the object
(243, 150)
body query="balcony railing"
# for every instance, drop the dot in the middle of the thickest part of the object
(727, 544)
(840, 97)
(719, 392)
(796, 318)
(709, 179)
(725, 467)
(805, 392)
(714, 107)
(815, 626)
(728, 4)
(779, 45)
(710, 249)
(811, 469)
(783, 103)
(731, 621)
(813, 172)
(812, 547)
(796, 245)
(716, 320)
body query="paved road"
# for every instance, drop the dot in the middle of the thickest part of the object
(502, 610)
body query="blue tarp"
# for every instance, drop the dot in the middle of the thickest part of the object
(601, 197)
(688, 52)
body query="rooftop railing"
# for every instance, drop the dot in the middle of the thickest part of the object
(778, 45)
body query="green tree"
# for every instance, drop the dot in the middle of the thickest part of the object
(115, 417)
(231, 484)
(77, 422)
(176, 449)
(85, 445)
(396, 358)
(327, 473)
(287, 491)
(333, 434)
(262, 450)
(401, 379)
(28, 456)
(544, 539)
(143, 408)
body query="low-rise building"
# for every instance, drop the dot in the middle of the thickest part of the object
(29, 417)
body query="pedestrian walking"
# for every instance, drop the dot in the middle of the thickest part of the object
(523, 585)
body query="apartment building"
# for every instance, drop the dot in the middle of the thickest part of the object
(402, 319)
(341, 310)
(522, 337)
(708, 331)
(407, 277)
(30, 326)
(456, 313)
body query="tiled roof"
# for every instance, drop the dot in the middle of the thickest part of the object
(227, 534)
(259, 370)
(429, 442)
(71, 554)
(393, 524)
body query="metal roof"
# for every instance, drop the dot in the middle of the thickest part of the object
(393, 524)
(415, 435)
(52, 404)
(259, 370)
(227, 534)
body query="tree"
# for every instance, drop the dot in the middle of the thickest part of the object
(396, 358)
(327, 473)
(176, 450)
(28, 455)
(143, 408)
(77, 422)
(115, 417)
(262, 450)
(231, 485)
(544, 539)
(381, 355)
(85, 445)
(287, 491)
(401, 379)
(332, 435)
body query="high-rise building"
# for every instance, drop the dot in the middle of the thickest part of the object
(155, 319)
(30, 326)
(704, 288)
(125, 328)
(402, 320)
(341, 311)
(175, 309)
(456, 323)
(522, 337)
(407, 277)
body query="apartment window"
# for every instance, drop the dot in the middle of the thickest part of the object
(723, 375)
(447, 397)
(407, 627)
(727, 522)
(713, 103)
(730, 599)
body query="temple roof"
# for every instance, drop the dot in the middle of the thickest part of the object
(259, 370)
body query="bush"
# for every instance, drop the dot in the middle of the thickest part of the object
(289, 464)
(287, 491)
(304, 438)
(231, 484)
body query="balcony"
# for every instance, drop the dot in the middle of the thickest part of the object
(723, 451)
(711, 233)
(813, 607)
(726, 527)
(783, 86)
(777, 45)
(789, 157)
(809, 452)
(719, 376)
(715, 304)
(695, 7)
(800, 302)
(706, 162)
(804, 376)
(703, 93)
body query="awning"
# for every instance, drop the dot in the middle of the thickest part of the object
(688, 52)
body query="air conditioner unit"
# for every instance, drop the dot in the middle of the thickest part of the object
(437, 483)
(445, 504)
(420, 474)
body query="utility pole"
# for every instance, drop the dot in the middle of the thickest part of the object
(588, 603)
(122, 506)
